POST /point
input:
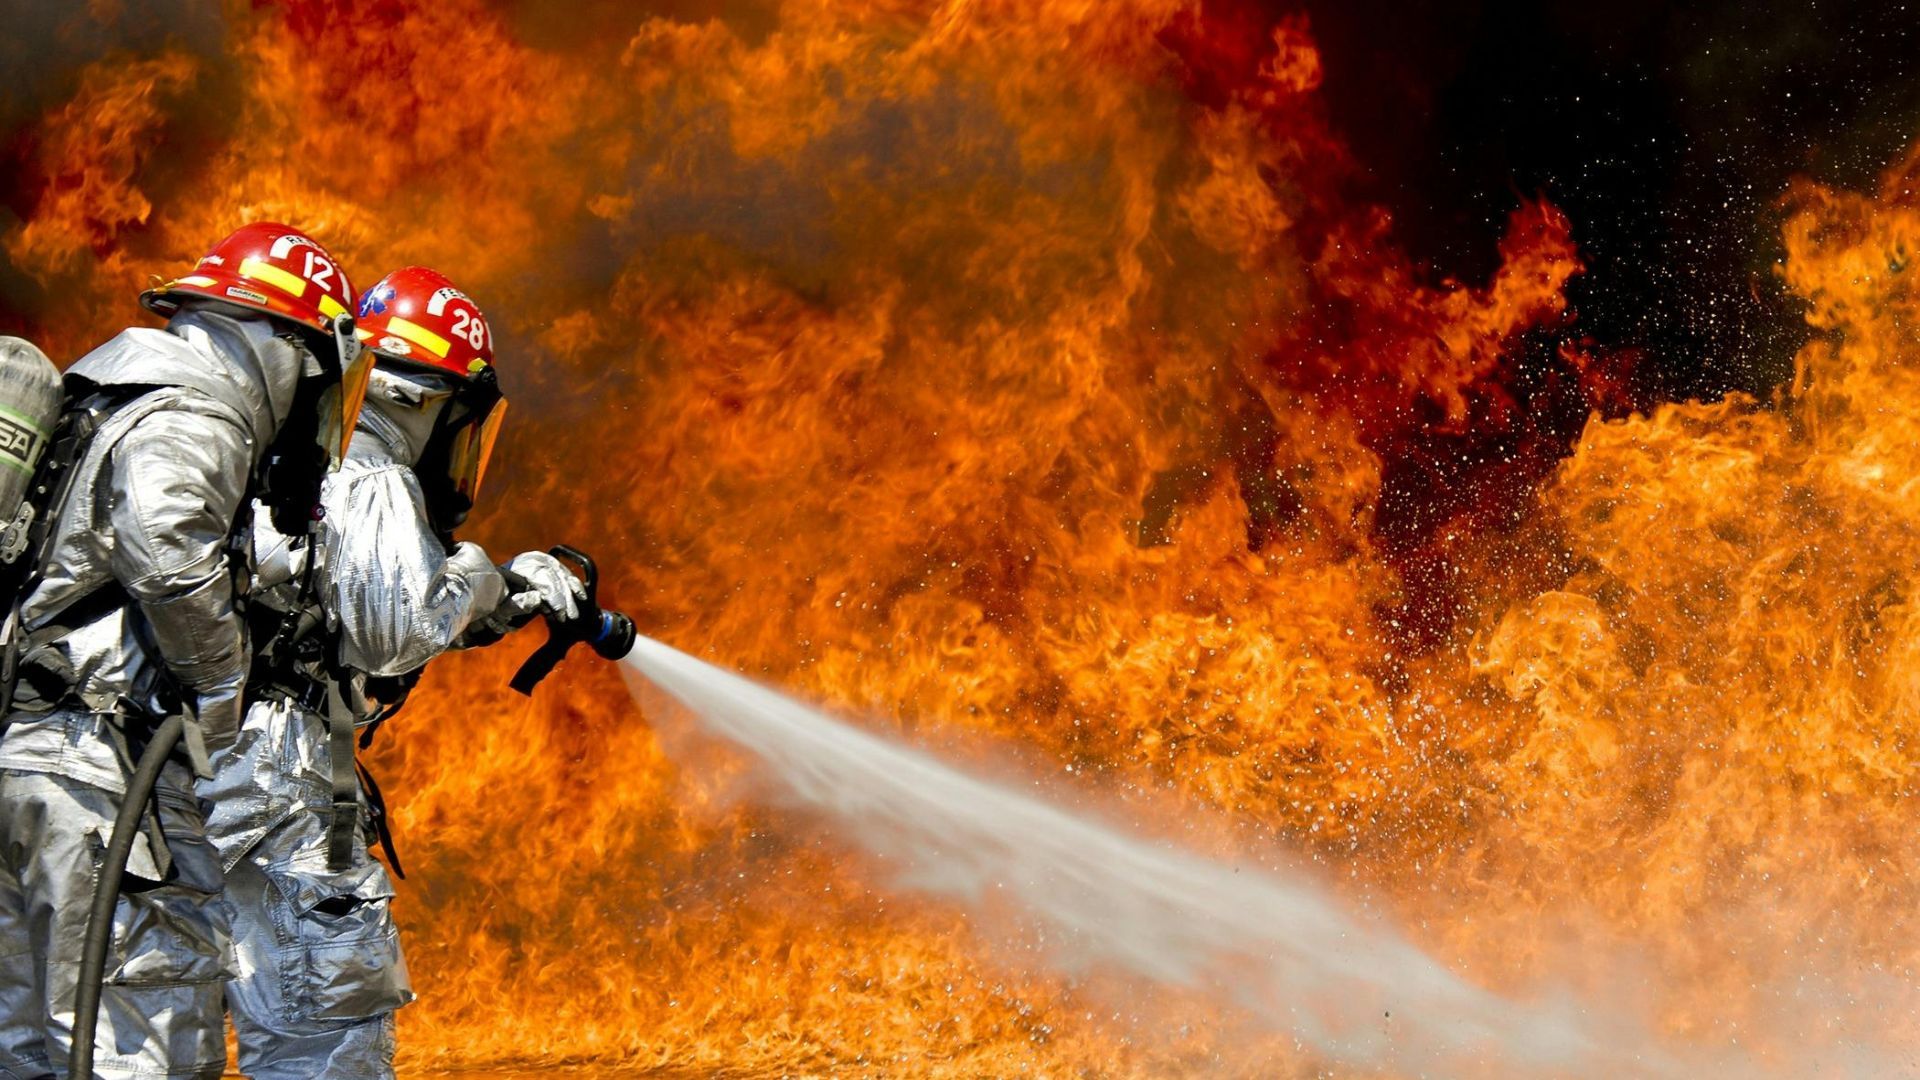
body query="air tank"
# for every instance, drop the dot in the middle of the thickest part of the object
(30, 400)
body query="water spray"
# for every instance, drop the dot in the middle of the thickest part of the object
(1285, 951)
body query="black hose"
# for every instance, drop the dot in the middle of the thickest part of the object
(106, 893)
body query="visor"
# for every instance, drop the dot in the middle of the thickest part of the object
(340, 407)
(471, 446)
(453, 461)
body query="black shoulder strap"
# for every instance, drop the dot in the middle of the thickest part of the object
(345, 818)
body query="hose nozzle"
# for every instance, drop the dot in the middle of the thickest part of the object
(609, 633)
(615, 637)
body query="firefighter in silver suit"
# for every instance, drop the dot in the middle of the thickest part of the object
(132, 613)
(318, 966)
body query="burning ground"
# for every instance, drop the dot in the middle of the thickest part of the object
(1037, 381)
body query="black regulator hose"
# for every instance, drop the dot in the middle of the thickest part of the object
(106, 893)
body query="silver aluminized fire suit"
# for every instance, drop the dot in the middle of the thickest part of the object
(136, 603)
(318, 967)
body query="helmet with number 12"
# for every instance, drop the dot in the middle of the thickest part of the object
(271, 269)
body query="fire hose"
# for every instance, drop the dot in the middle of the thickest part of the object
(609, 633)
(106, 891)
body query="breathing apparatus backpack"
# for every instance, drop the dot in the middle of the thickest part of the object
(42, 435)
(31, 408)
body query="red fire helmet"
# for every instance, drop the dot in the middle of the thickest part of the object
(268, 266)
(415, 317)
(272, 268)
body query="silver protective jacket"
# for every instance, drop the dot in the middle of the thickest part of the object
(393, 592)
(319, 970)
(393, 597)
(155, 504)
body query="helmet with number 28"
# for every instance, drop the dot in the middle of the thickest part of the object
(266, 268)
(421, 326)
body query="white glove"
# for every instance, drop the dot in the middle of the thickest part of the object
(549, 589)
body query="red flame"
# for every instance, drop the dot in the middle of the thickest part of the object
(1027, 372)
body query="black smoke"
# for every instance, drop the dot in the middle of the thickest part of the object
(1667, 132)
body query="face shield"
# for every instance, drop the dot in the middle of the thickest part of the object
(471, 438)
(313, 439)
(447, 427)
(340, 404)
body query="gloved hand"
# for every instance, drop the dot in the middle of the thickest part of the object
(550, 588)
(544, 586)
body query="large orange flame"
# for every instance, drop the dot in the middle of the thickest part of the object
(1022, 375)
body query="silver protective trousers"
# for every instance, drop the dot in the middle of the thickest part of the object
(160, 1011)
(317, 964)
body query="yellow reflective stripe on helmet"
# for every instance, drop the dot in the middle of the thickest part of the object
(196, 281)
(420, 336)
(260, 270)
(329, 306)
